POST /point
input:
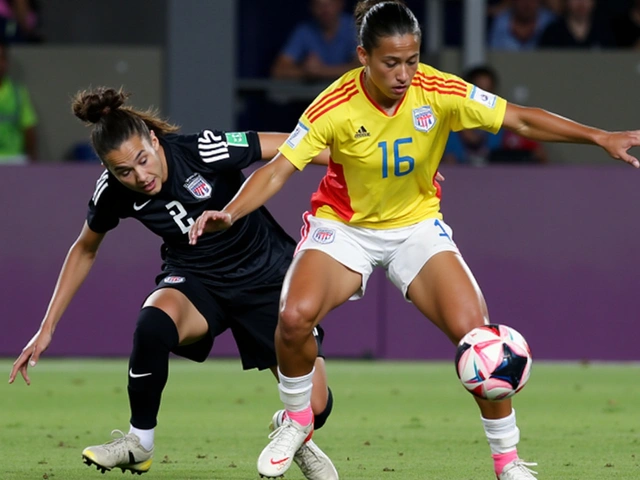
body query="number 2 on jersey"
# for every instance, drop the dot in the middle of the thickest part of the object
(178, 213)
(402, 165)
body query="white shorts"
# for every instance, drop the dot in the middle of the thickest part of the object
(402, 252)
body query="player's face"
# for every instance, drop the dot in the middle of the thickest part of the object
(139, 164)
(392, 64)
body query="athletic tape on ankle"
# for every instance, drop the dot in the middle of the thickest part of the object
(505, 444)
(295, 399)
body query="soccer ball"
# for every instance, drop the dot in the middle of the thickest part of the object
(493, 362)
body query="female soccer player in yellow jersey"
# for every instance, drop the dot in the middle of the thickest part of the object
(386, 125)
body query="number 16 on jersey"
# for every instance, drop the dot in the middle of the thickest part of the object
(402, 164)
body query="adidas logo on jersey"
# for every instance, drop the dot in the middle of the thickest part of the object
(362, 132)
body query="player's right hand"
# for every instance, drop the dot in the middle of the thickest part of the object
(209, 221)
(30, 355)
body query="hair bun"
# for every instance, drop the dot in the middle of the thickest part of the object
(92, 105)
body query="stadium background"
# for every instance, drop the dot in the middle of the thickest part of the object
(554, 248)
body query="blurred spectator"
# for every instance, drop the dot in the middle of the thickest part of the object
(626, 27)
(520, 26)
(19, 21)
(323, 48)
(555, 6)
(17, 118)
(577, 28)
(478, 147)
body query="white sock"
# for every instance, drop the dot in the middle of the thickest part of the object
(295, 392)
(502, 433)
(145, 436)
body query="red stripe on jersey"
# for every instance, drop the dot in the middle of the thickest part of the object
(445, 86)
(313, 108)
(439, 90)
(304, 231)
(374, 103)
(339, 100)
(451, 81)
(438, 187)
(333, 192)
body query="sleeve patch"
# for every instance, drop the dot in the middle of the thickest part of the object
(297, 135)
(236, 139)
(485, 98)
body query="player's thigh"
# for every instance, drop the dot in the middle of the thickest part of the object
(446, 292)
(315, 284)
(190, 323)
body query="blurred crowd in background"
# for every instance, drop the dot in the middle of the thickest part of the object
(314, 41)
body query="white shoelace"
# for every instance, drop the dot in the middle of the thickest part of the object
(118, 445)
(310, 461)
(283, 436)
(522, 468)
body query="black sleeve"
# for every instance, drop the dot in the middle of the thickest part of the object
(102, 215)
(221, 151)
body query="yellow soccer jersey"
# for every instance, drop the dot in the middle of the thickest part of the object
(382, 168)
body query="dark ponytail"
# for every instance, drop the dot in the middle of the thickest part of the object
(376, 19)
(113, 123)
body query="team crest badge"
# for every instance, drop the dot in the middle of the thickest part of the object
(324, 235)
(198, 187)
(423, 118)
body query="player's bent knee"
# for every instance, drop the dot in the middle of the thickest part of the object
(297, 321)
(464, 324)
(154, 325)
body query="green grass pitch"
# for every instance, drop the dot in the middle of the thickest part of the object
(391, 421)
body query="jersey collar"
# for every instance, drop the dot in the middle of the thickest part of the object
(374, 104)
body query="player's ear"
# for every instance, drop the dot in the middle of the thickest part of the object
(155, 143)
(363, 56)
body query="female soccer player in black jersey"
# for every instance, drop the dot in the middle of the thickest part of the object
(229, 280)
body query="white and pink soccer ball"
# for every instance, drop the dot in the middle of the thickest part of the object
(493, 362)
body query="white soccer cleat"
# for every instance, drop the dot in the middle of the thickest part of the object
(276, 420)
(286, 440)
(313, 462)
(517, 470)
(124, 452)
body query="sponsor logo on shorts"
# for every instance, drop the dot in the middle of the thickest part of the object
(324, 235)
(174, 279)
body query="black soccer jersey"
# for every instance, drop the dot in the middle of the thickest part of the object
(204, 173)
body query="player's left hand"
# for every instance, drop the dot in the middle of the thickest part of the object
(209, 221)
(617, 143)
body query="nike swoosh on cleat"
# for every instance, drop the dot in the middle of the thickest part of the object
(137, 375)
(137, 207)
(278, 461)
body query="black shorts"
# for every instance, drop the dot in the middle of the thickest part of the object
(250, 312)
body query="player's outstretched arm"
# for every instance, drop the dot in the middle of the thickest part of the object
(271, 141)
(538, 124)
(73, 273)
(263, 184)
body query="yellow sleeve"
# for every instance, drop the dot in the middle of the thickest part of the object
(307, 140)
(478, 109)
